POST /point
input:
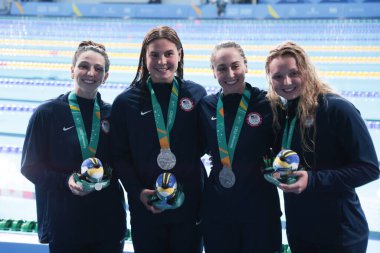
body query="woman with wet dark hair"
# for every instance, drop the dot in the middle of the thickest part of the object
(154, 136)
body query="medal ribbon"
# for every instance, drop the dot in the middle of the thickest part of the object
(226, 151)
(162, 130)
(287, 137)
(88, 149)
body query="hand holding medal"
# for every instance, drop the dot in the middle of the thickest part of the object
(283, 167)
(93, 176)
(168, 194)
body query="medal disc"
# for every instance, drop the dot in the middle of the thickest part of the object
(98, 186)
(227, 177)
(166, 159)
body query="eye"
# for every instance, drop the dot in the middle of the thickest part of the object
(99, 69)
(235, 66)
(277, 77)
(83, 66)
(169, 53)
(294, 73)
(153, 54)
(221, 68)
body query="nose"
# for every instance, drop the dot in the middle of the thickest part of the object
(162, 59)
(91, 71)
(231, 73)
(287, 80)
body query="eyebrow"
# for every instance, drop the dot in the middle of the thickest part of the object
(96, 64)
(156, 51)
(232, 63)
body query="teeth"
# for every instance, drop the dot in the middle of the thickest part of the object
(289, 89)
(162, 69)
(88, 81)
(231, 82)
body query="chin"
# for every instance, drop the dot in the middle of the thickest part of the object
(162, 78)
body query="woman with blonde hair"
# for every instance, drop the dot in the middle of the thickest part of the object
(323, 211)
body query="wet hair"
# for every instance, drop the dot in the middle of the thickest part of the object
(160, 32)
(92, 46)
(227, 44)
(312, 88)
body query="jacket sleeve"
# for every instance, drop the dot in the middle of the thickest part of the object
(121, 146)
(355, 141)
(35, 162)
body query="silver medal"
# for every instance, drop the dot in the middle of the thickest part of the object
(227, 177)
(98, 186)
(166, 159)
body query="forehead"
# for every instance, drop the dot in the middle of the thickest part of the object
(227, 56)
(282, 62)
(92, 57)
(161, 44)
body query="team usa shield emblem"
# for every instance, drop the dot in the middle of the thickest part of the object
(186, 104)
(254, 119)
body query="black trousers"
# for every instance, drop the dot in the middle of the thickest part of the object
(301, 246)
(166, 238)
(246, 237)
(77, 247)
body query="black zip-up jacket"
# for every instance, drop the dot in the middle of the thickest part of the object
(136, 146)
(50, 155)
(251, 199)
(329, 210)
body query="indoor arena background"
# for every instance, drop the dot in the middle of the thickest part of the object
(37, 41)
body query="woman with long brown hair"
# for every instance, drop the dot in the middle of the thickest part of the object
(157, 148)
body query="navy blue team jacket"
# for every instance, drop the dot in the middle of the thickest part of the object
(136, 146)
(50, 155)
(329, 210)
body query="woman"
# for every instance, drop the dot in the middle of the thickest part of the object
(241, 210)
(323, 212)
(157, 117)
(62, 133)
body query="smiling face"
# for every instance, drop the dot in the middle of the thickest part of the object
(285, 77)
(162, 58)
(229, 69)
(88, 74)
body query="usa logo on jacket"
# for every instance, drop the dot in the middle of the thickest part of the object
(186, 104)
(254, 119)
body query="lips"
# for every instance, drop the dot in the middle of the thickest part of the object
(289, 90)
(162, 69)
(87, 81)
(231, 82)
